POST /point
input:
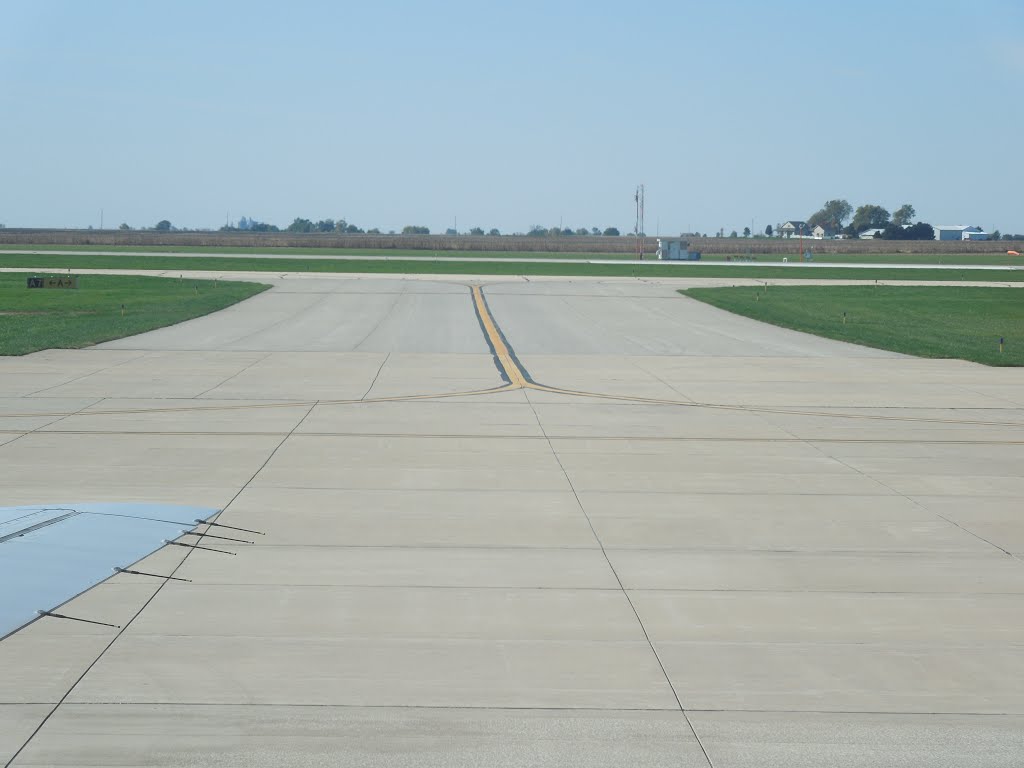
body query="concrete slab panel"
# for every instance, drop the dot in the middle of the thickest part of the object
(578, 324)
(331, 322)
(811, 740)
(916, 620)
(369, 462)
(839, 482)
(845, 678)
(956, 485)
(425, 613)
(153, 376)
(39, 488)
(17, 723)
(87, 461)
(303, 376)
(39, 665)
(409, 374)
(416, 518)
(829, 521)
(229, 736)
(745, 571)
(432, 417)
(407, 566)
(617, 420)
(185, 416)
(388, 672)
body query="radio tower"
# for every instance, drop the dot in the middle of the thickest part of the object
(639, 227)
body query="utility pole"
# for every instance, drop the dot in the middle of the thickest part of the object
(638, 228)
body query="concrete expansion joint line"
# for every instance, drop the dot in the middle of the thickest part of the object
(376, 376)
(618, 579)
(234, 375)
(87, 375)
(917, 504)
(59, 418)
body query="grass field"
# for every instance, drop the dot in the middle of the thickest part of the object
(927, 321)
(494, 267)
(35, 319)
(967, 259)
(347, 253)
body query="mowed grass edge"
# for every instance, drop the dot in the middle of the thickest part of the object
(159, 263)
(926, 321)
(43, 318)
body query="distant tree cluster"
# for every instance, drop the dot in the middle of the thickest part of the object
(415, 230)
(919, 231)
(340, 226)
(896, 226)
(538, 231)
(250, 225)
(831, 216)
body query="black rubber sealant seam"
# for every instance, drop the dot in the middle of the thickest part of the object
(376, 376)
(813, 444)
(902, 495)
(487, 339)
(234, 375)
(144, 354)
(394, 304)
(152, 597)
(501, 334)
(49, 423)
(622, 587)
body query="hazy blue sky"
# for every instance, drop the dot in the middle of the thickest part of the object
(510, 114)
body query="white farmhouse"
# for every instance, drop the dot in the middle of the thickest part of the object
(794, 228)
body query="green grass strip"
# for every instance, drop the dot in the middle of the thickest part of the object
(50, 318)
(927, 321)
(496, 267)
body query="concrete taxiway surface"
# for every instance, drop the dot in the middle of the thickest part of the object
(565, 522)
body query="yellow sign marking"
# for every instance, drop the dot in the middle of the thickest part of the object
(64, 281)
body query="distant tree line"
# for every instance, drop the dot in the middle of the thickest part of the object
(538, 231)
(832, 217)
(341, 226)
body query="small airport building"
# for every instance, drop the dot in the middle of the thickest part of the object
(960, 233)
(676, 249)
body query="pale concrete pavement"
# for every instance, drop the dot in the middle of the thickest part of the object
(812, 547)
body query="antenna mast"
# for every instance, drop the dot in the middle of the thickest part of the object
(638, 229)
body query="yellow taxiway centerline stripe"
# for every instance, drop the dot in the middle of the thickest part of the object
(505, 359)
